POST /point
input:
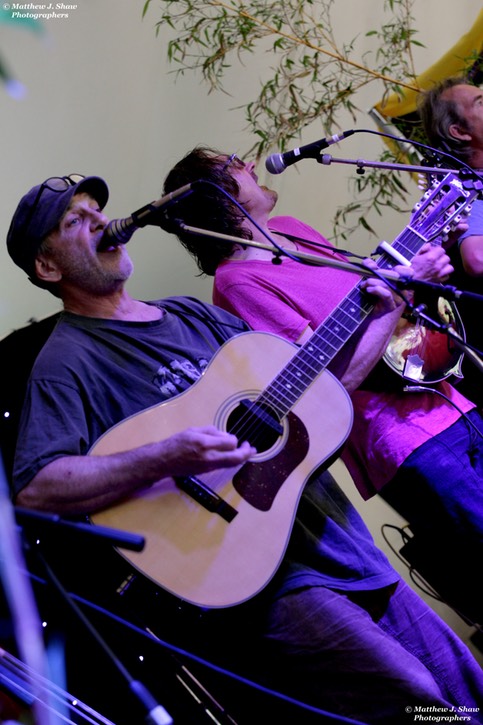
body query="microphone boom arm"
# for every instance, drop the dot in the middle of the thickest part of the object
(121, 230)
(313, 259)
(327, 159)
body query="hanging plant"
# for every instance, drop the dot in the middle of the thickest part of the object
(310, 74)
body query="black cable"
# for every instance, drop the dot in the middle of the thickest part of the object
(423, 389)
(417, 578)
(400, 139)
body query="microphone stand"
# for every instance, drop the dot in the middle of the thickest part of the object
(155, 713)
(122, 539)
(465, 173)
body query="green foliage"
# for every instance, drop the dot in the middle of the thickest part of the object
(309, 75)
(374, 191)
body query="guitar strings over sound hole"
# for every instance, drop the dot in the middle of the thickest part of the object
(256, 423)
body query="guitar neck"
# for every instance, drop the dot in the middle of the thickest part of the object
(316, 354)
(331, 336)
(405, 246)
(42, 696)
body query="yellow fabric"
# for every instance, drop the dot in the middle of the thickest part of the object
(452, 63)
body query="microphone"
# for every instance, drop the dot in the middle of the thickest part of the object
(276, 163)
(120, 231)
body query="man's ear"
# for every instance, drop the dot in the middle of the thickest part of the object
(46, 269)
(459, 133)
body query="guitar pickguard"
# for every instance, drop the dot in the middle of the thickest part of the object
(258, 483)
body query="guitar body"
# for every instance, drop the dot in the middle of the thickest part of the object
(215, 558)
(422, 355)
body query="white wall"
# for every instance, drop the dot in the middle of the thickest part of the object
(100, 99)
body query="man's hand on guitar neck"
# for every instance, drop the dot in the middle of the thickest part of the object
(355, 361)
(431, 264)
(387, 300)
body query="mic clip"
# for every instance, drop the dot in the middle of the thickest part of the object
(170, 224)
(147, 215)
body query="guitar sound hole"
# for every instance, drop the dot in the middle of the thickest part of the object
(255, 423)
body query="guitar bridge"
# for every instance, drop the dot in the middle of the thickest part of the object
(206, 497)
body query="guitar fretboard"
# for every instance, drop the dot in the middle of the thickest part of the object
(329, 338)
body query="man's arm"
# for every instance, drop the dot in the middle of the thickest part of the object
(471, 241)
(367, 346)
(471, 250)
(83, 484)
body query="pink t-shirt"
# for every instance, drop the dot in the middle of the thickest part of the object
(282, 298)
(285, 299)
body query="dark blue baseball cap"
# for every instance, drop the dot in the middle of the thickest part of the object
(40, 211)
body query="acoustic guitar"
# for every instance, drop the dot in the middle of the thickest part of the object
(216, 540)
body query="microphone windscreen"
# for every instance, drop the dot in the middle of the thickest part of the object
(275, 164)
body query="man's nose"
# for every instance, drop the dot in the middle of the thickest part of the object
(99, 220)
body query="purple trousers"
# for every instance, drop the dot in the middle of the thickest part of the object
(377, 657)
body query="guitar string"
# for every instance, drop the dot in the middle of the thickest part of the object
(20, 671)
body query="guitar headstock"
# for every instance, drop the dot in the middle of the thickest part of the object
(443, 206)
